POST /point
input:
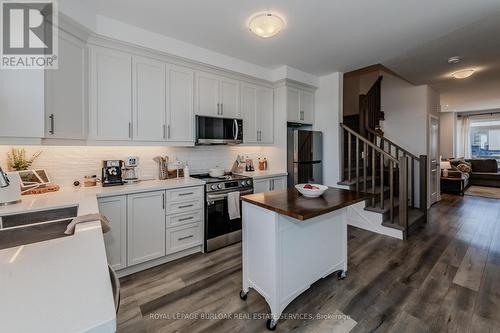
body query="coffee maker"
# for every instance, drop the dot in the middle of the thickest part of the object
(130, 174)
(112, 173)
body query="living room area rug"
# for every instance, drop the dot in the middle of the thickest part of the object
(483, 191)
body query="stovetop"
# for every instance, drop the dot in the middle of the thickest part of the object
(225, 183)
(229, 177)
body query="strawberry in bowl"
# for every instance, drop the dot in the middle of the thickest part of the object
(311, 190)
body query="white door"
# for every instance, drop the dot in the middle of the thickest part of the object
(229, 98)
(265, 114)
(66, 91)
(292, 104)
(279, 183)
(249, 113)
(115, 209)
(180, 85)
(111, 95)
(306, 107)
(148, 99)
(261, 185)
(145, 226)
(207, 94)
(434, 168)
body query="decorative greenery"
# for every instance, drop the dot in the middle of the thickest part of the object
(17, 159)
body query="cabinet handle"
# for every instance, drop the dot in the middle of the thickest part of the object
(168, 131)
(186, 218)
(221, 109)
(182, 194)
(130, 130)
(164, 131)
(163, 200)
(301, 115)
(186, 206)
(186, 237)
(51, 117)
(218, 109)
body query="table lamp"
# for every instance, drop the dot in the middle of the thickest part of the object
(445, 165)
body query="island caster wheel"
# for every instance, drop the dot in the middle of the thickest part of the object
(341, 275)
(271, 324)
(243, 295)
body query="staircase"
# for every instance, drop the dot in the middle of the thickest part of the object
(396, 177)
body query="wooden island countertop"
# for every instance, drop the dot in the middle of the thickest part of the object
(291, 203)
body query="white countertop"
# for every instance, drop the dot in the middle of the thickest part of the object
(264, 174)
(63, 285)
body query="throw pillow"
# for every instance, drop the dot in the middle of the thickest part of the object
(464, 167)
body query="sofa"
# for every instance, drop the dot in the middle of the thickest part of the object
(484, 172)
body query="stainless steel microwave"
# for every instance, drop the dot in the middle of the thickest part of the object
(218, 131)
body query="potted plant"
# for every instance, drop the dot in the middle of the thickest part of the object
(17, 159)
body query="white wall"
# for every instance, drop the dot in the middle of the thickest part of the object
(328, 101)
(67, 164)
(447, 134)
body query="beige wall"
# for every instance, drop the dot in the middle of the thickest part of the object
(447, 134)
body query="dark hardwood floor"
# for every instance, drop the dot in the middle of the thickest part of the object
(445, 277)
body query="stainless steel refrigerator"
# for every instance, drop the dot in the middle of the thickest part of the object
(305, 157)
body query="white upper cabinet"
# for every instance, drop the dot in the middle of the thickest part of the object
(265, 114)
(229, 98)
(111, 95)
(66, 91)
(207, 94)
(249, 112)
(300, 105)
(257, 113)
(217, 96)
(180, 101)
(148, 108)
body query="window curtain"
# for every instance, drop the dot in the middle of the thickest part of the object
(464, 138)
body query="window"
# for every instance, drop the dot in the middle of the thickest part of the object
(485, 139)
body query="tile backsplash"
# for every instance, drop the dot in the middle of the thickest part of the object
(65, 164)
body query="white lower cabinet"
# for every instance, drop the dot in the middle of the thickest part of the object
(145, 227)
(269, 184)
(152, 225)
(115, 209)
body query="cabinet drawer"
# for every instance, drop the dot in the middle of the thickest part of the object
(183, 237)
(184, 218)
(184, 206)
(185, 194)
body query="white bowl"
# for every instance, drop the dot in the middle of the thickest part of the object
(311, 193)
(216, 172)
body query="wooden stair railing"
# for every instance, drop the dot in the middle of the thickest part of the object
(373, 162)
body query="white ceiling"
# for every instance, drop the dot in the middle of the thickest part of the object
(321, 36)
(479, 46)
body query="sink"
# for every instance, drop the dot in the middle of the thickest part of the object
(33, 227)
(28, 218)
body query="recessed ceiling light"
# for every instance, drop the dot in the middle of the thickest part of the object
(266, 24)
(454, 60)
(465, 73)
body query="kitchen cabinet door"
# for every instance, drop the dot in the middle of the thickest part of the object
(207, 95)
(111, 95)
(148, 99)
(229, 98)
(292, 104)
(279, 183)
(66, 91)
(115, 209)
(261, 185)
(180, 117)
(249, 113)
(306, 111)
(145, 227)
(265, 113)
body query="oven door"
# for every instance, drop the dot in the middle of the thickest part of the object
(219, 229)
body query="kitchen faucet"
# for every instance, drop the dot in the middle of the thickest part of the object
(4, 180)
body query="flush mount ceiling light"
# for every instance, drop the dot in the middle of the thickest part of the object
(465, 73)
(266, 24)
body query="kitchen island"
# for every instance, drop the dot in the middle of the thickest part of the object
(290, 241)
